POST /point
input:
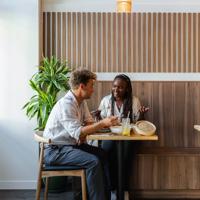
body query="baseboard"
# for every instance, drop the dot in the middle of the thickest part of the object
(18, 185)
(166, 194)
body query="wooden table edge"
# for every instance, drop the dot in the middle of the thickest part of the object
(109, 136)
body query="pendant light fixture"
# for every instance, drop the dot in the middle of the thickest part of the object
(124, 5)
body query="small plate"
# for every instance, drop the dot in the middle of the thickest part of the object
(116, 129)
(104, 130)
(197, 127)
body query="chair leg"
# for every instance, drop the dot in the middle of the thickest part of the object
(83, 184)
(126, 195)
(39, 184)
(46, 188)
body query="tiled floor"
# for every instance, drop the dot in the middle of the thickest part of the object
(30, 195)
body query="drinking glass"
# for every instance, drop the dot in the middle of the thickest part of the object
(126, 127)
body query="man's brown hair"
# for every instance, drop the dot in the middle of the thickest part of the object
(79, 76)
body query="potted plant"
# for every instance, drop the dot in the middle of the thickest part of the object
(50, 79)
(48, 82)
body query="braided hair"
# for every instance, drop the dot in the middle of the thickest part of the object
(127, 103)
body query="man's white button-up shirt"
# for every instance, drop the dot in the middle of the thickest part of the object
(66, 119)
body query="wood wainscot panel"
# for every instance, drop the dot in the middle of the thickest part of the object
(169, 167)
(165, 194)
(166, 174)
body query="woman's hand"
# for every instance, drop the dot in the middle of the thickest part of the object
(143, 109)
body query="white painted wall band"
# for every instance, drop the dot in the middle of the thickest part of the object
(152, 76)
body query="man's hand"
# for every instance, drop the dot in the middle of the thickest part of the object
(110, 121)
(82, 138)
(104, 123)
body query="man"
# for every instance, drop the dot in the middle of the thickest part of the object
(65, 125)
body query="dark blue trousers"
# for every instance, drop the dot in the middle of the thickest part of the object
(93, 159)
(127, 157)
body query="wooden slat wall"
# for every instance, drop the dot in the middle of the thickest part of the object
(116, 42)
(143, 42)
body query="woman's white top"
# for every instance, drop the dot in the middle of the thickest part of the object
(105, 107)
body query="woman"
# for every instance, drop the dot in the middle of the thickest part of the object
(121, 103)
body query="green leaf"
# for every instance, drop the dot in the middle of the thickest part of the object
(51, 78)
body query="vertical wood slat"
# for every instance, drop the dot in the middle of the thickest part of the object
(197, 40)
(118, 42)
(60, 49)
(161, 42)
(51, 32)
(186, 43)
(53, 35)
(77, 40)
(41, 31)
(72, 31)
(146, 43)
(96, 43)
(101, 47)
(167, 43)
(56, 35)
(45, 36)
(86, 39)
(152, 42)
(181, 48)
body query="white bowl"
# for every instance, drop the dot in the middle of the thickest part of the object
(144, 127)
(197, 127)
(116, 129)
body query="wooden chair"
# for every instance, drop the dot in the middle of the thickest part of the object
(50, 171)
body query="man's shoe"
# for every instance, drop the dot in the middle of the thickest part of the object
(78, 195)
(113, 195)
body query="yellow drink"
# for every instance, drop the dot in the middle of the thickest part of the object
(126, 126)
(126, 131)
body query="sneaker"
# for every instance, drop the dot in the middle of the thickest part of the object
(113, 195)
